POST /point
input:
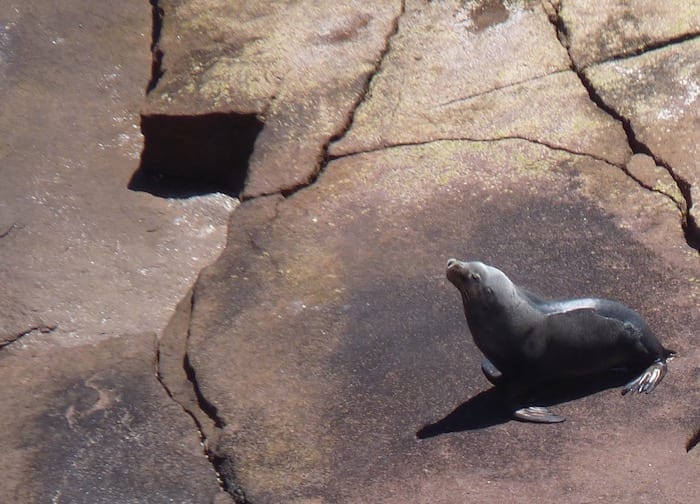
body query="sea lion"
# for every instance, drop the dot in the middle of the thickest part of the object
(528, 341)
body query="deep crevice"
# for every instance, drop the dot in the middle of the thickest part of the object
(689, 225)
(157, 14)
(188, 155)
(325, 158)
(220, 465)
(691, 232)
(207, 407)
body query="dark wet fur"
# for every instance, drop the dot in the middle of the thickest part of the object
(539, 342)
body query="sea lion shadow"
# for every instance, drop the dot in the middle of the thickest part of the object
(488, 408)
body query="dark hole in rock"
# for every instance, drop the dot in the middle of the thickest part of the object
(691, 232)
(693, 440)
(188, 155)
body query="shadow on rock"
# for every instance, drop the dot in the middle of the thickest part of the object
(488, 408)
(483, 410)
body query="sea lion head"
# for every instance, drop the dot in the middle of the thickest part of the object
(475, 280)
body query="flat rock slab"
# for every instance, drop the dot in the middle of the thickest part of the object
(448, 77)
(327, 338)
(84, 261)
(81, 251)
(96, 427)
(324, 357)
(659, 93)
(610, 29)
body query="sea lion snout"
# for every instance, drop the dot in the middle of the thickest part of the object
(455, 269)
(461, 274)
(456, 265)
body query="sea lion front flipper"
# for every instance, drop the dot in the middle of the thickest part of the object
(649, 379)
(537, 414)
(491, 372)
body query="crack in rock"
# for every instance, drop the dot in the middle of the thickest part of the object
(325, 158)
(41, 328)
(8, 230)
(477, 140)
(652, 46)
(499, 88)
(370, 78)
(178, 378)
(690, 228)
(548, 145)
(157, 14)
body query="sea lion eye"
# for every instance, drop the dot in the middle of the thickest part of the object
(474, 276)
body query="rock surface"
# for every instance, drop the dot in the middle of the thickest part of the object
(94, 425)
(611, 29)
(301, 66)
(659, 94)
(84, 261)
(446, 79)
(323, 357)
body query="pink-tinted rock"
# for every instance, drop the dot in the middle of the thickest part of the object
(91, 424)
(300, 66)
(84, 261)
(327, 338)
(449, 77)
(659, 93)
(609, 29)
(324, 358)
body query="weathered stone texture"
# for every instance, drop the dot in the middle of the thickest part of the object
(447, 78)
(327, 337)
(91, 424)
(324, 358)
(599, 31)
(300, 65)
(85, 254)
(659, 93)
(84, 260)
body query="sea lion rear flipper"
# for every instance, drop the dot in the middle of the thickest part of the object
(518, 393)
(537, 414)
(648, 380)
(491, 372)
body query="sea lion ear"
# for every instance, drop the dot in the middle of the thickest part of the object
(489, 291)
